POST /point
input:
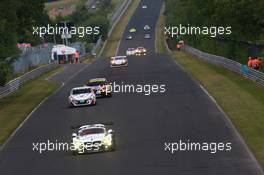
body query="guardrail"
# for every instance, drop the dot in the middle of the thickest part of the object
(114, 19)
(13, 85)
(231, 65)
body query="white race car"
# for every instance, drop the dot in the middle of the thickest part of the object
(131, 51)
(141, 51)
(93, 138)
(81, 96)
(146, 27)
(118, 61)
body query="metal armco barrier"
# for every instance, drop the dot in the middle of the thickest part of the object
(234, 66)
(13, 85)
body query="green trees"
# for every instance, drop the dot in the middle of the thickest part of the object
(246, 17)
(86, 18)
(17, 17)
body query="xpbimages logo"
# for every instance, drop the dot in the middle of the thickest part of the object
(212, 31)
(58, 30)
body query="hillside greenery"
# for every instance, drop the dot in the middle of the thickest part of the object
(245, 17)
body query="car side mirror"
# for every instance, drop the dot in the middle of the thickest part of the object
(74, 135)
(110, 131)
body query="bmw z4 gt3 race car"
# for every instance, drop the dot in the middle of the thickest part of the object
(81, 96)
(118, 61)
(100, 87)
(93, 138)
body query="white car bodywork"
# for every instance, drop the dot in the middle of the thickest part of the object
(131, 51)
(118, 61)
(146, 27)
(81, 96)
(93, 138)
(141, 51)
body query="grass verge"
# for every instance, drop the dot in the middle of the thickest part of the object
(160, 37)
(116, 36)
(240, 98)
(16, 106)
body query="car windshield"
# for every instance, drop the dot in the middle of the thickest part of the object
(119, 58)
(81, 91)
(97, 83)
(91, 131)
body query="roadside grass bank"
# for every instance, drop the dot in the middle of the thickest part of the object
(241, 99)
(116, 36)
(160, 37)
(18, 105)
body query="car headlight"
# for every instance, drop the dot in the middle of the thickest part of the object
(77, 143)
(107, 141)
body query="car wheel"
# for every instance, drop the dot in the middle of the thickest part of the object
(71, 105)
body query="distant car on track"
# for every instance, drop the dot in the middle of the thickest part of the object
(100, 86)
(119, 61)
(81, 96)
(93, 138)
(144, 6)
(129, 37)
(132, 30)
(141, 51)
(146, 27)
(131, 51)
(147, 36)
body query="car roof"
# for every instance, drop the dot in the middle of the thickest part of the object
(118, 57)
(83, 87)
(96, 80)
(91, 126)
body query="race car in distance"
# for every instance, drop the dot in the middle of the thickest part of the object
(118, 61)
(146, 27)
(81, 96)
(100, 86)
(92, 138)
(141, 51)
(129, 37)
(131, 51)
(144, 6)
(147, 36)
(132, 30)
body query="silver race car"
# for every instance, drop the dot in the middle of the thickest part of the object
(118, 61)
(93, 138)
(81, 96)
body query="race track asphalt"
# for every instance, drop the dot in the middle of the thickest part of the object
(142, 123)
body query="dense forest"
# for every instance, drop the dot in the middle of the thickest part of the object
(245, 17)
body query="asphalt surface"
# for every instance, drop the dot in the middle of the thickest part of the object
(142, 123)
